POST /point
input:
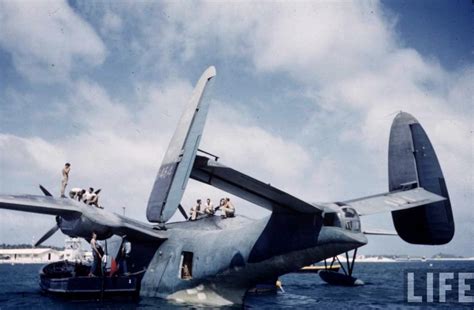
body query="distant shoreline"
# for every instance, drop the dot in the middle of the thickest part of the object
(364, 261)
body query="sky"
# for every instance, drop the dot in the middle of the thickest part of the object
(304, 97)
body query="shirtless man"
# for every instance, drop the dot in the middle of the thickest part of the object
(77, 193)
(209, 207)
(196, 210)
(87, 196)
(65, 173)
(228, 209)
(94, 201)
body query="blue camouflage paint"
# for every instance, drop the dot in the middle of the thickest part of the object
(413, 158)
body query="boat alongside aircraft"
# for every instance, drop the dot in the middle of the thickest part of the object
(215, 261)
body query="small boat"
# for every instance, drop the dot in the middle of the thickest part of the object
(72, 280)
(336, 278)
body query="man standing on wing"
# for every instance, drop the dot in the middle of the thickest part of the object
(65, 173)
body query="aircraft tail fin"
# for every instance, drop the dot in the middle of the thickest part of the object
(176, 166)
(412, 162)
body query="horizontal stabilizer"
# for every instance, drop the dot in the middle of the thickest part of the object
(392, 201)
(232, 181)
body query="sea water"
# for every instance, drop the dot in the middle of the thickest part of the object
(385, 287)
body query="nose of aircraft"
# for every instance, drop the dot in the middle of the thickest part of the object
(341, 236)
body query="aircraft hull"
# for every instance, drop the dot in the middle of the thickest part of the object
(224, 267)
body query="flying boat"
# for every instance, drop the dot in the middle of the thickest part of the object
(214, 260)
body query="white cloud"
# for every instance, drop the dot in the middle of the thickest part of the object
(254, 150)
(111, 22)
(119, 147)
(326, 40)
(47, 39)
(330, 40)
(348, 58)
(344, 57)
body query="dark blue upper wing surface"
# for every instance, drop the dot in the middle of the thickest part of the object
(230, 180)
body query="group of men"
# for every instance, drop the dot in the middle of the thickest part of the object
(98, 255)
(225, 206)
(91, 197)
(88, 197)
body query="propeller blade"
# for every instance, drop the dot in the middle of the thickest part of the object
(183, 212)
(47, 235)
(45, 191)
(98, 191)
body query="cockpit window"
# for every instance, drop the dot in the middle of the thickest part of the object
(347, 218)
(349, 212)
(351, 219)
(331, 219)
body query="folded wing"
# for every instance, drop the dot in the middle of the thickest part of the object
(173, 174)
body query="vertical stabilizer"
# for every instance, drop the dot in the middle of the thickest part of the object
(413, 162)
(177, 164)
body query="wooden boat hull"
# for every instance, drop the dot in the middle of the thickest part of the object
(72, 281)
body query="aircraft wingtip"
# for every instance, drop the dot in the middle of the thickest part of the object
(405, 118)
(210, 72)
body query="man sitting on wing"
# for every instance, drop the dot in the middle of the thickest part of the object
(228, 209)
(77, 193)
(221, 204)
(87, 197)
(195, 211)
(94, 201)
(209, 207)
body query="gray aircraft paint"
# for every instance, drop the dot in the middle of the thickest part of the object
(216, 243)
(231, 255)
(175, 169)
(412, 159)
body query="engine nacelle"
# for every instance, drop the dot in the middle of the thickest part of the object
(83, 227)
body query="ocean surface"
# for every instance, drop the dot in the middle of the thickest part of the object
(385, 287)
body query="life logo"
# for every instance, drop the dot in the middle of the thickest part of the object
(439, 286)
